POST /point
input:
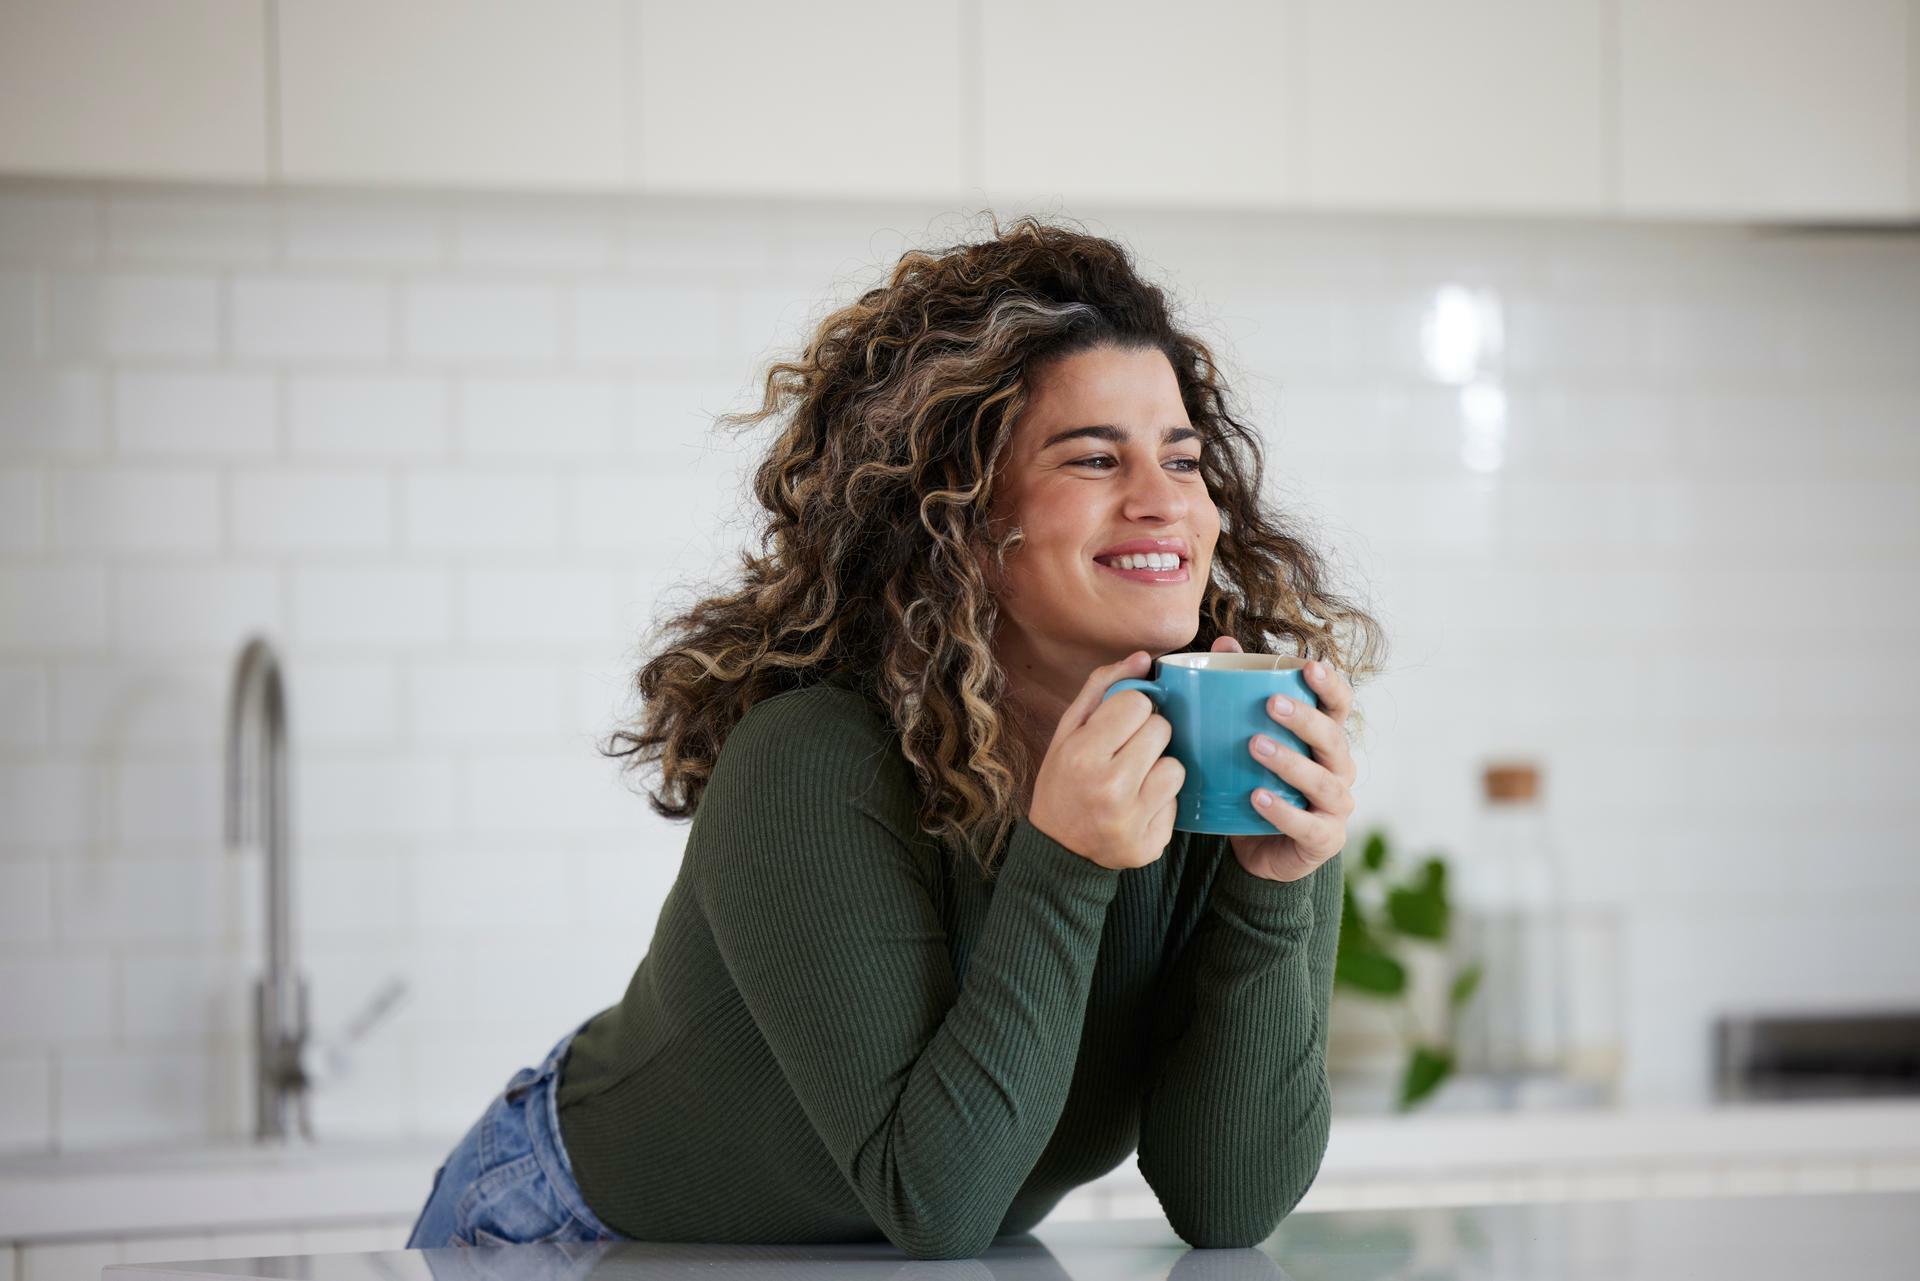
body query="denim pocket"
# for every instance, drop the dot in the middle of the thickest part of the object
(511, 1201)
(413, 1233)
(514, 1203)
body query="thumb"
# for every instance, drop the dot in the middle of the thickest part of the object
(1225, 644)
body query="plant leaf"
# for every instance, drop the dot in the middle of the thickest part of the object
(1356, 934)
(1427, 1068)
(1418, 912)
(1464, 985)
(1374, 971)
(1373, 855)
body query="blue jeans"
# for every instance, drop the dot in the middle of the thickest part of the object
(509, 1182)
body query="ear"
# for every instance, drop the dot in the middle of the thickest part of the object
(982, 550)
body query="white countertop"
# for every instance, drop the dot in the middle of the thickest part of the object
(1858, 1235)
(91, 1194)
(157, 1190)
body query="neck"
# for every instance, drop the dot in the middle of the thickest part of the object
(1042, 680)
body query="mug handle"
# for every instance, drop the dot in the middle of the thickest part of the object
(1148, 688)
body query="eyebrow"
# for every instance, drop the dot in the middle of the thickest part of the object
(1117, 435)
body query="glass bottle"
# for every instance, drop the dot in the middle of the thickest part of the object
(1511, 914)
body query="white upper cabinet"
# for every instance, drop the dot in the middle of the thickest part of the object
(1724, 109)
(460, 92)
(134, 88)
(1794, 108)
(830, 97)
(1135, 101)
(1463, 106)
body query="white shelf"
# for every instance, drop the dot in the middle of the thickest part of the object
(1472, 1158)
(1458, 1158)
(231, 1187)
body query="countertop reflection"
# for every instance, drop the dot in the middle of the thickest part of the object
(1843, 1235)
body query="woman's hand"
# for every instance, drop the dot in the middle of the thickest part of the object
(1106, 789)
(1305, 838)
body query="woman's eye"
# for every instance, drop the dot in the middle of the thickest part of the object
(1095, 458)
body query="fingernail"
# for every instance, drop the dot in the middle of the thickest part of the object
(1283, 705)
(1262, 797)
(1316, 669)
(1263, 745)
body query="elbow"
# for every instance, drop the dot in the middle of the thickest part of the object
(951, 1222)
(929, 1247)
(951, 1234)
(1243, 1212)
(938, 1253)
(1202, 1241)
(1225, 1232)
(1233, 1231)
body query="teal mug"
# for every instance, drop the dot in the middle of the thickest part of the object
(1216, 702)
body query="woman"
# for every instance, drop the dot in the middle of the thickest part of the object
(935, 954)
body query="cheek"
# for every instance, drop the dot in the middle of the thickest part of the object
(1056, 526)
(1207, 518)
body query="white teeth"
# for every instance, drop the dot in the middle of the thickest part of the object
(1146, 560)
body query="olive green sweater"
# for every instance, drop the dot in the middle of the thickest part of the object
(842, 1033)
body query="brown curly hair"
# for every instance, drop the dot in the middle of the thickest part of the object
(875, 537)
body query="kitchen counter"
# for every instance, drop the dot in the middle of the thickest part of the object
(1807, 1146)
(1842, 1236)
(234, 1186)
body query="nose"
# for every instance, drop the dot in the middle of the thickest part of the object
(1154, 496)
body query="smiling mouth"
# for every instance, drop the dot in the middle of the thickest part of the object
(1178, 574)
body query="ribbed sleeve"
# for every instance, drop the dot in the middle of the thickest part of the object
(1236, 1112)
(934, 1099)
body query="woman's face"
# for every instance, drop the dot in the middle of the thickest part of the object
(1092, 466)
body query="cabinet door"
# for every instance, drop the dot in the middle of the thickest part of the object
(452, 91)
(68, 1261)
(389, 1234)
(1470, 106)
(1136, 101)
(162, 1249)
(1792, 109)
(134, 88)
(84, 1260)
(835, 97)
(264, 1244)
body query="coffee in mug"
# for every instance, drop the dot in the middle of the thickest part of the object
(1216, 702)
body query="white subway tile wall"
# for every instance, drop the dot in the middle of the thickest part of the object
(453, 454)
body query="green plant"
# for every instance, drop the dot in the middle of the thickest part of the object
(1366, 962)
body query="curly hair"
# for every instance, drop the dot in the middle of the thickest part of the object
(875, 539)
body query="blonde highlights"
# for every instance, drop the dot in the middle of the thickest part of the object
(875, 554)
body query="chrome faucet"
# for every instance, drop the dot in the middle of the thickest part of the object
(257, 814)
